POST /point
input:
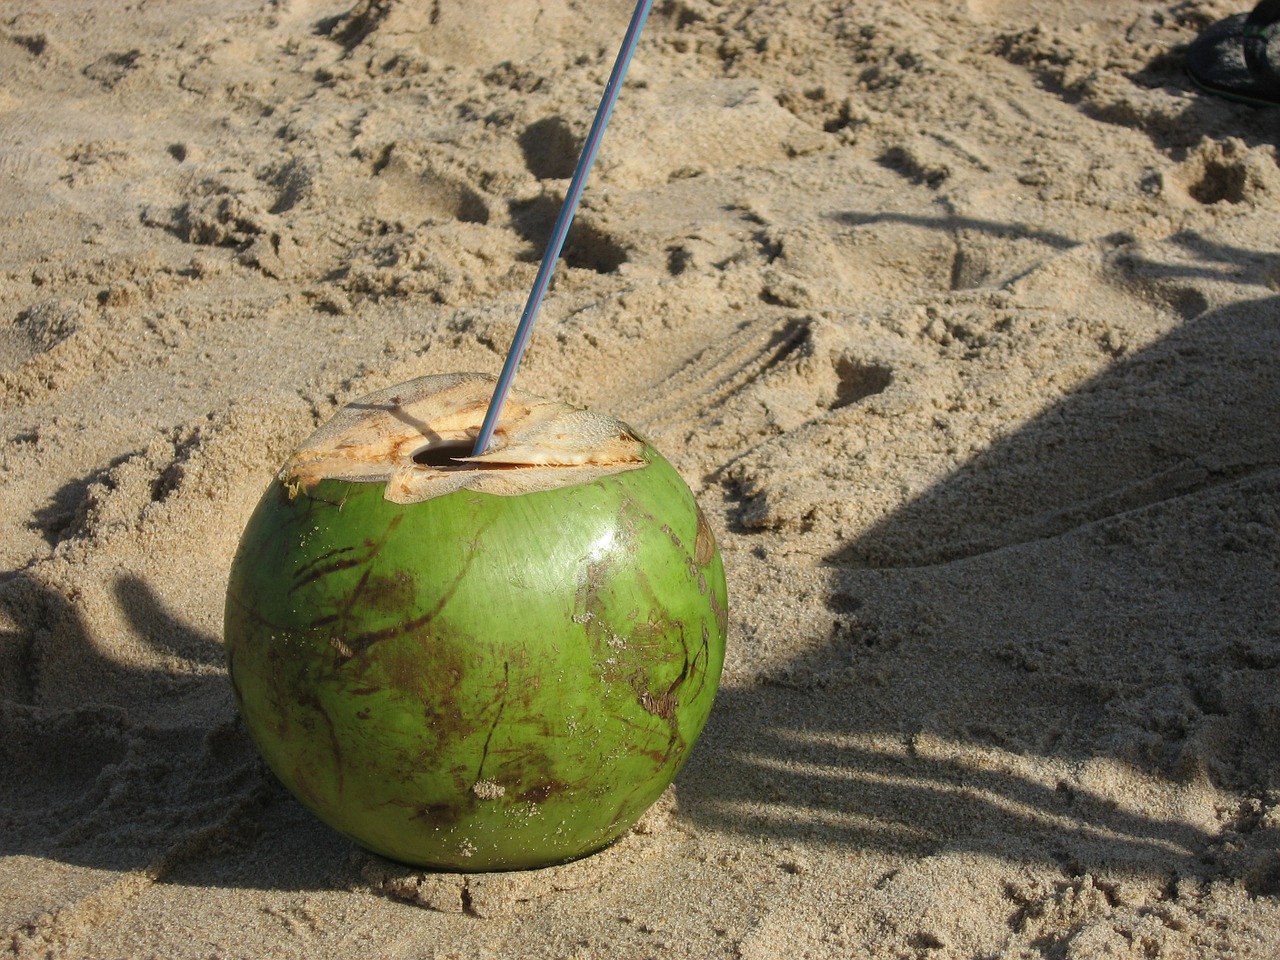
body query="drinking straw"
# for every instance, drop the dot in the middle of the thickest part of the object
(561, 229)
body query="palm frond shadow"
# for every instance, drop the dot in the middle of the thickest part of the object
(1038, 656)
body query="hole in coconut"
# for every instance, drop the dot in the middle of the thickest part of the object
(444, 454)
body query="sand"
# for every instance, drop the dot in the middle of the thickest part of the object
(962, 321)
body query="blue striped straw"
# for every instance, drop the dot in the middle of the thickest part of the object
(561, 229)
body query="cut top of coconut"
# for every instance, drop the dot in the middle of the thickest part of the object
(417, 436)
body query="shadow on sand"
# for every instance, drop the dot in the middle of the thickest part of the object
(1087, 612)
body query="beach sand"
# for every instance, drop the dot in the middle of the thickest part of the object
(962, 320)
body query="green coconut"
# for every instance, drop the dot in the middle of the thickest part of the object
(475, 663)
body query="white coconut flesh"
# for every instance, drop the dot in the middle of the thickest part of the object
(417, 437)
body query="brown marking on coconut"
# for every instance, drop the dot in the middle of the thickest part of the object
(305, 697)
(391, 594)
(544, 791)
(704, 546)
(416, 436)
(721, 613)
(361, 642)
(660, 705)
(336, 560)
(438, 814)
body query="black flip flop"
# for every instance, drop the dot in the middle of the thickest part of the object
(1231, 58)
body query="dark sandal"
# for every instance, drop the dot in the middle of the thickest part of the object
(1231, 59)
